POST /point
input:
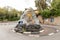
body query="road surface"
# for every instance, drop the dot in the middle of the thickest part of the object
(6, 33)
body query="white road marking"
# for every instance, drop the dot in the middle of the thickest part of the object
(34, 35)
(57, 30)
(13, 30)
(42, 31)
(50, 34)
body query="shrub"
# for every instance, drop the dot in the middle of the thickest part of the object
(45, 13)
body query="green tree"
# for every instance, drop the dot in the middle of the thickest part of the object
(40, 4)
(56, 7)
(9, 14)
(55, 4)
(45, 13)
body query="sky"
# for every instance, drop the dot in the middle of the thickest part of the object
(18, 4)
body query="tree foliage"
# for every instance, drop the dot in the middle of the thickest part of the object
(56, 4)
(53, 11)
(9, 14)
(45, 13)
(56, 7)
(40, 4)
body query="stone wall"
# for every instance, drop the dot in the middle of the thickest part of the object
(56, 20)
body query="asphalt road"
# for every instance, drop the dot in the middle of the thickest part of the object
(6, 33)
